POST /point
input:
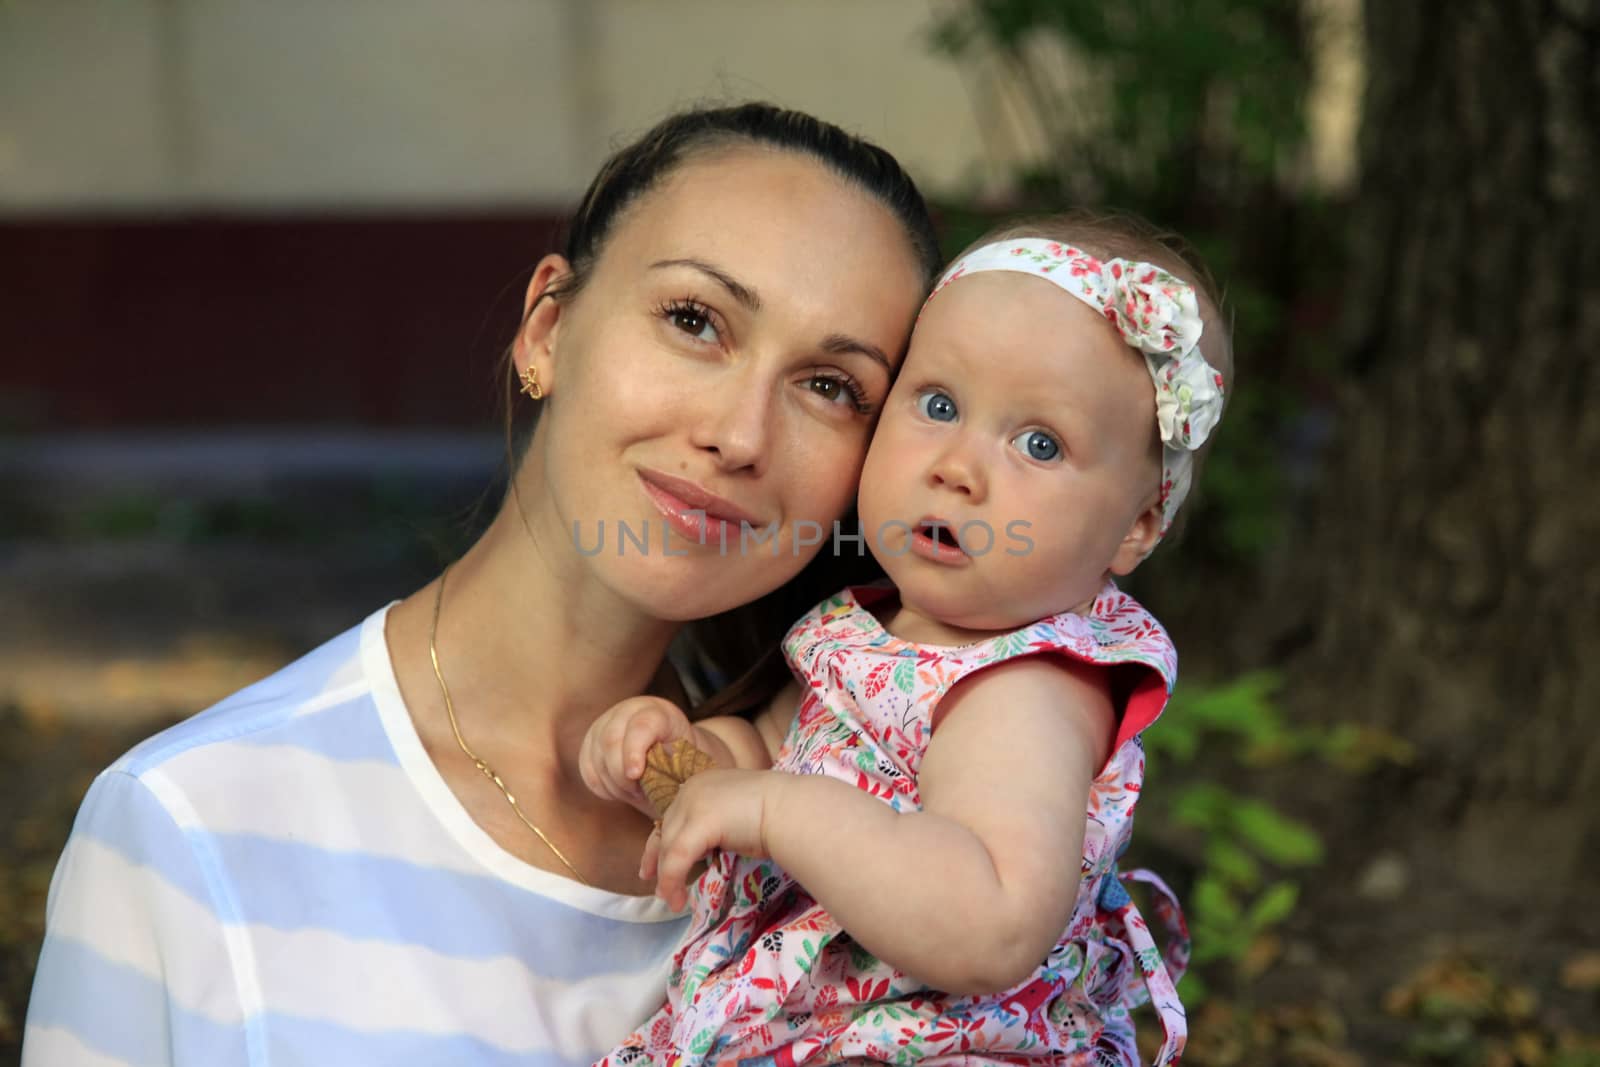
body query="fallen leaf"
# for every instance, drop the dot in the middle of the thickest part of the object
(1581, 972)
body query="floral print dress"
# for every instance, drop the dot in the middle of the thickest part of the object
(766, 977)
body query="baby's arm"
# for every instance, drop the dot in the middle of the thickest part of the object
(970, 894)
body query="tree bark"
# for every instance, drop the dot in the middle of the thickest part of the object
(1453, 567)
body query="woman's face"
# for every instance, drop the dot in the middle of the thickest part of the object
(713, 386)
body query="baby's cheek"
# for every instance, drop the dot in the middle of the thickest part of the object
(877, 484)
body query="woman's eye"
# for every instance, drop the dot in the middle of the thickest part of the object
(693, 321)
(839, 391)
(936, 405)
(831, 389)
(1036, 444)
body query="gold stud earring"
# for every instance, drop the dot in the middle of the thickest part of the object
(530, 383)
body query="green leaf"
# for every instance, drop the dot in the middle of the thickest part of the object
(1219, 942)
(1193, 988)
(1204, 806)
(808, 951)
(1279, 838)
(904, 674)
(1274, 905)
(1214, 902)
(1243, 707)
(1177, 737)
(1232, 864)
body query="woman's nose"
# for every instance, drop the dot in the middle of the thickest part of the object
(736, 427)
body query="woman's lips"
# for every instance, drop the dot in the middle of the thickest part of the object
(694, 512)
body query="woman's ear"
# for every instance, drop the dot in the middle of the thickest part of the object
(1140, 540)
(541, 321)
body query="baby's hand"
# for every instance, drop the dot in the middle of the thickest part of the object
(612, 756)
(725, 809)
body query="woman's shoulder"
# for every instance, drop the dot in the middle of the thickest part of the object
(295, 706)
(246, 769)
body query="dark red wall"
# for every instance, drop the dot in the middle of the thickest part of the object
(376, 321)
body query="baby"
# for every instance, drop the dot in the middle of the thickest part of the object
(902, 888)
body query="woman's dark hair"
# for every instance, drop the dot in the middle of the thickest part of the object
(740, 645)
(641, 166)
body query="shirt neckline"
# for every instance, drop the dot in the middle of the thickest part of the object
(436, 795)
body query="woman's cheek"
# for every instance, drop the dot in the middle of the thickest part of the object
(833, 478)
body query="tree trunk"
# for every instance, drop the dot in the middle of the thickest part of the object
(1453, 570)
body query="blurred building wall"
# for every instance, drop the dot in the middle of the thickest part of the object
(314, 211)
(364, 105)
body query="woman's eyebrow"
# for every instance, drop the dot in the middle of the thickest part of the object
(837, 343)
(840, 344)
(740, 292)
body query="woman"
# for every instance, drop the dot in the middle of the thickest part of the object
(384, 853)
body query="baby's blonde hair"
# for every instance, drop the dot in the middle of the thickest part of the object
(1117, 235)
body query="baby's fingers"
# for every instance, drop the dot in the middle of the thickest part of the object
(644, 730)
(591, 766)
(677, 853)
(652, 855)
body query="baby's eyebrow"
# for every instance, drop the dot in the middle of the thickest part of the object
(745, 295)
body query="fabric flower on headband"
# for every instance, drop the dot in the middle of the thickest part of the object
(1157, 313)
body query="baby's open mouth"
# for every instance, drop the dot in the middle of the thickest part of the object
(936, 540)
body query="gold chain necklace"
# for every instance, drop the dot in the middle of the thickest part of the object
(484, 768)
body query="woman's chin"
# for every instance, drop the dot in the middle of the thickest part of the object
(683, 589)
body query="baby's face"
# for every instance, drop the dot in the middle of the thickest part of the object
(1022, 423)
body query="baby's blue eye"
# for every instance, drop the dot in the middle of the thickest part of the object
(1036, 444)
(937, 406)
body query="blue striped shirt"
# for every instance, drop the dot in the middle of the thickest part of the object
(286, 879)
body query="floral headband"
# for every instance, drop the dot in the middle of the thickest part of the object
(1156, 313)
